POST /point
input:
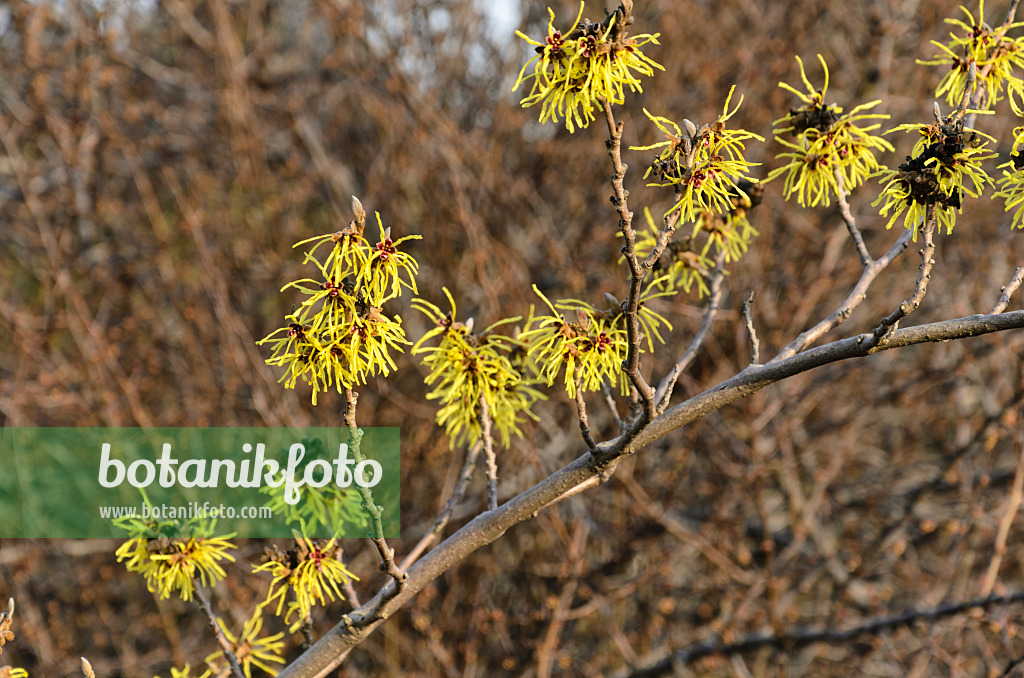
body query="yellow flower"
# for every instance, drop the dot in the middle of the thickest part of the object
(174, 565)
(249, 649)
(1011, 185)
(945, 166)
(589, 63)
(468, 367)
(590, 348)
(995, 54)
(311, 572)
(826, 140)
(339, 335)
(704, 165)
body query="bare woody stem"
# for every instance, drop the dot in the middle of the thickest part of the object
(432, 535)
(636, 270)
(923, 277)
(387, 554)
(668, 383)
(222, 640)
(1011, 12)
(851, 223)
(492, 463)
(854, 299)
(755, 345)
(581, 412)
(1007, 292)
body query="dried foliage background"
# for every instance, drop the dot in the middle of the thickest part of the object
(158, 163)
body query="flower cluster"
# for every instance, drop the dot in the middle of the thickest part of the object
(249, 649)
(590, 349)
(470, 369)
(828, 142)
(995, 54)
(589, 63)
(1011, 185)
(704, 165)
(311, 572)
(339, 335)
(175, 565)
(944, 166)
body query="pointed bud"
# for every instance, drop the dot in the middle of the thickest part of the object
(469, 326)
(613, 303)
(87, 669)
(357, 209)
(690, 128)
(583, 319)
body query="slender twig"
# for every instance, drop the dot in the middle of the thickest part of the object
(581, 412)
(668, 383)
(1007, 292)
(387, 554)
(854, 299)
(1008, 671)
(924, 275)
(636, 270)
(609, 399)
(1012, 506)
(801, 638)
(307, 630)
(851, 223)
(492, 463)
(1010, 12)
(965, 98)
(657, 511)
(439, 523)
(350, 593)
(755, 345)
(222, 640)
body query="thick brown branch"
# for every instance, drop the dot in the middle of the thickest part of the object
(331, 650)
